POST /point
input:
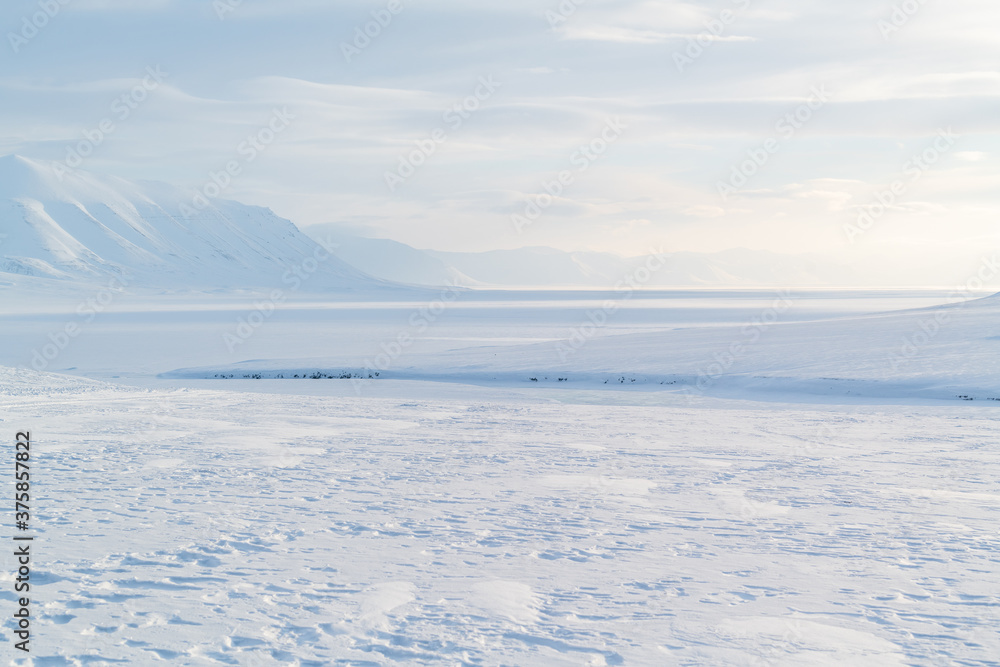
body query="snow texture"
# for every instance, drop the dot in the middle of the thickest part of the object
(217, 527)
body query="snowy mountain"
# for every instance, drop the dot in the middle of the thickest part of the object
(87, 228)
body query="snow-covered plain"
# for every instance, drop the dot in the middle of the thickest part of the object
(498, 526)
(456, 519)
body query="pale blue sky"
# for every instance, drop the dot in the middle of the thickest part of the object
(688, 120)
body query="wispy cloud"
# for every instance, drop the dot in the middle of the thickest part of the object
(629, 35)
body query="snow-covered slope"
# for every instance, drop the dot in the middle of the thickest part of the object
(87, 228)
(948, 352)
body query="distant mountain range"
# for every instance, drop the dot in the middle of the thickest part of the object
(548, 267)
(80, 227)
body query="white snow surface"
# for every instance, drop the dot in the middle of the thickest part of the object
(813, 503)
(504, 527)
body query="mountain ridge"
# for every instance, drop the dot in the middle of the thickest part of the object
(83, 227)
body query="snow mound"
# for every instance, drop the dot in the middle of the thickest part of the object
(20, 383)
